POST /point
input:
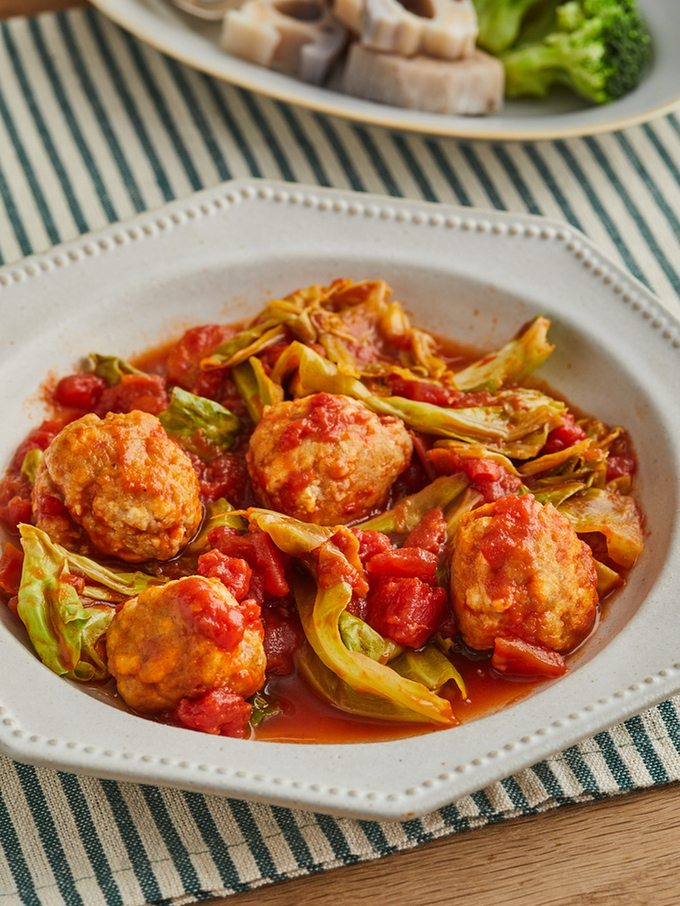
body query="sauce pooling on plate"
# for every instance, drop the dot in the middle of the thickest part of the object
(324, 525)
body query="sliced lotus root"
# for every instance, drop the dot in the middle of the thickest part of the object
(470, 86)
(435, 28)
(299, 37)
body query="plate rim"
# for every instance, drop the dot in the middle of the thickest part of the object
(139, 19)
(434, 792)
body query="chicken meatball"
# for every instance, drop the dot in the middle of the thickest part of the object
(117, 486)
(182, 641)
(519, 570)
(326, 459)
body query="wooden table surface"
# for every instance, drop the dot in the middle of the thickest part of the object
(625, 850)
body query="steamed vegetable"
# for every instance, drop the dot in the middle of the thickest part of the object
(613, 515)
(500, 21)
(200, 425)
(407, 513)
(516, 360)
(597, 48)
(67, 626)
(256, 388)
(517, 423)
(321, 604)
(111, 368)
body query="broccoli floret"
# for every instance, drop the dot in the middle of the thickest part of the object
(499, 22)
(597, 48)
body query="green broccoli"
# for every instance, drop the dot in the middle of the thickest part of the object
(499, 22)
(597, 48)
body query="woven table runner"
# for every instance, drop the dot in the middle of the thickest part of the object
(96, 127)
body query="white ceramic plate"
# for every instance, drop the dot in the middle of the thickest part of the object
(195, 42)
(472, 274)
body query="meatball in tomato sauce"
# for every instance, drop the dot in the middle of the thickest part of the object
(188, 646)
(326, 459)
(519, 570)
(117, 486)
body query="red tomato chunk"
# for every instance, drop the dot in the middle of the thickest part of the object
(430, 533)
(258, 550)
(220, 712)
(224, 625)
(404, 563)
(487, 476)
(283, 638)
(406, 610)
(11, 562)
(233, 572)
(146, 392)
(515, 656)
(565, 435)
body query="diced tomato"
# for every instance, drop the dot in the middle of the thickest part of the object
(371, 543)
(146, 392)
(11, 562)
(358, 607)
(408, 611)
(405, 562)
(430, 533)
(220, 712)
(270, 354)
(283, 638)
(332, 570)
(225, 476)
(233, 572)
(515, 656)
(47, 505)
(620, 466)
(77, 582)
(183, 365)
(39, 439)
(225, 625)
(231, 399)
(80, 391)
(565, 435)
(518, 526)
(259, 551)
(326, 420)
(18, 509)
(487, 476)
(428, 392)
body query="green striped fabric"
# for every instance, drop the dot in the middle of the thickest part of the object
(96, 127)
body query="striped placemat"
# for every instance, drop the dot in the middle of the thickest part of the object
(96, 127)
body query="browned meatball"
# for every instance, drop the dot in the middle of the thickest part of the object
(326, 459)
(519, 570)
(117, 486)
(183, 640)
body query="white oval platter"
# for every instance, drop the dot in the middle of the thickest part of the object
(196, 43)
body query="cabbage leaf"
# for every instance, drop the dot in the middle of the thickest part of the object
(616, 516)
(513, 362)
(198, 424)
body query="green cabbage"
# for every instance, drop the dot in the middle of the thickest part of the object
(614, 515)
(111, 368)
(513, 362)
(198, 424)
(256, 388)
(321, 607)
(65, 629)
